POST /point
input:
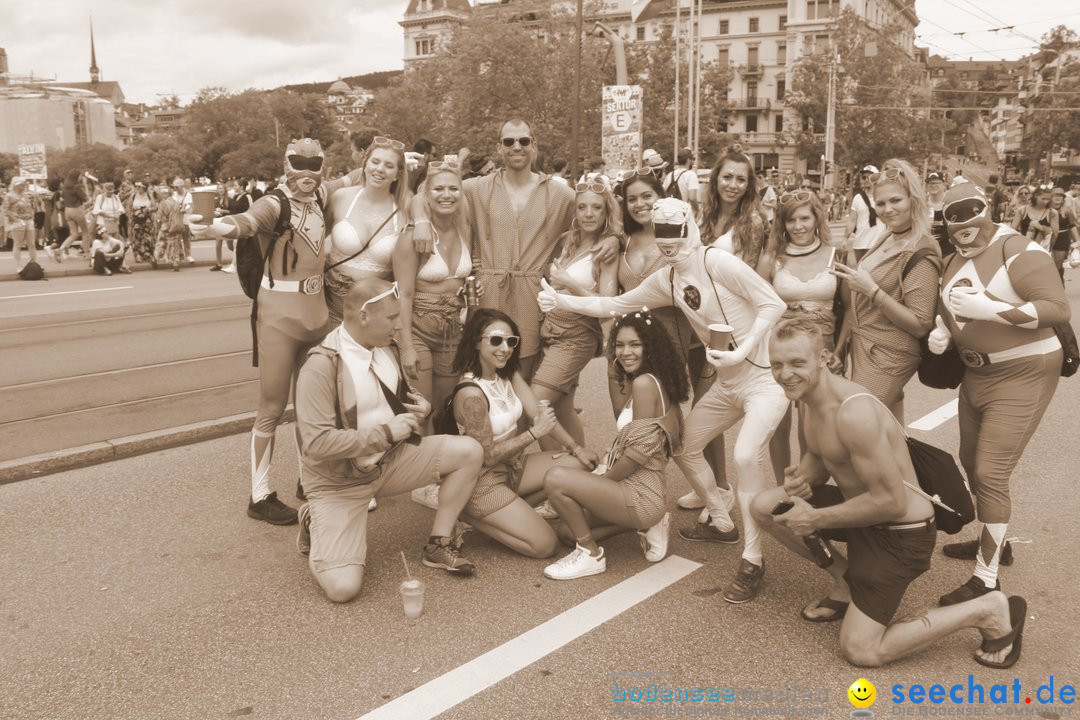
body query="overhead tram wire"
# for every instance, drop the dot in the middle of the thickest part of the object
(997, 20)
(961, 36)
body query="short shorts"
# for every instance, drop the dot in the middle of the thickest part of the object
(569, 341)
(495, 489)
(339, 516)
(436, 332)
(882, 561)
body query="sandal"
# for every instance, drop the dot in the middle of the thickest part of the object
(1017, 616)
(839, 608)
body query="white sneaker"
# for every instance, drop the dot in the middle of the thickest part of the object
(428, 496)
(545, 510)
(691, 501)
(577, 564)
(654, 541)
(373, 505)
(230, 268)
(190, 260)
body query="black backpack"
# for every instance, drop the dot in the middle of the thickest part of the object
(31, 271)
(444, 422)
(673, 190)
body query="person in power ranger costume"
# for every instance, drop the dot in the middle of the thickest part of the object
(711, 285)
(1000, 297)
(292, 315)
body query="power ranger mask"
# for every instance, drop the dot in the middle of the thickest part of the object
(967, 219)
(676, 232)
(303, 167)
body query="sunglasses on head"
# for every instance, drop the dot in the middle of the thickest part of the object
(306, 162)
(497, 340)
(796, 196)
(962, 211)
(596, 187)
(508, 142)
(392, 290)
(383, 141)
(445, 165)
(880, 177)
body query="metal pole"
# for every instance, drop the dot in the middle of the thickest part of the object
(575, 151)
(697, 82)
(678, 62)
(690, 77)
(830, 129)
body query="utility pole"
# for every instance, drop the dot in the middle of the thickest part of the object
(678, 62)
(697, 83)
(575, 151)
(830, 129)
(691, 72)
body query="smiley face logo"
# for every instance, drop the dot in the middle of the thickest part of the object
(862, 693)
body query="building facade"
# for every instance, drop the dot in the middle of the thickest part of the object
(56, 117)
(760, 39)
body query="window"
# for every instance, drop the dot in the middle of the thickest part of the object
(783, 22)
(641, 32)
(781, 87)
(751, 123)
(751, 93)
(725, 27)
(723, 58)
(781, 53)
(779, 126)
(822, 9)
(754, 24)
(425, 46)
(752, 56)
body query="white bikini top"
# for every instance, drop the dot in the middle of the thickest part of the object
(504, 406)
(435, 269)
(627, 414)
(581, 270)
(819, 289)
(376, 256)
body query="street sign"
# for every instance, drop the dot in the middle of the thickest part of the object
(32, 162)
(621, 127)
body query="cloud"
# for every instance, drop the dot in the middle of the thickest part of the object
(154, 48)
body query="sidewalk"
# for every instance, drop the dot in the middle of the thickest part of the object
(201, 250)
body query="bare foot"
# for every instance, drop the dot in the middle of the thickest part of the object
(996, 624)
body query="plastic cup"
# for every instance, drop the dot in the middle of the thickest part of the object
(202, 203)
(720, 337)
(412, 597)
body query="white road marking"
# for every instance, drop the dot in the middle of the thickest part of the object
(444, 692)
(932, 420)
(66, 292)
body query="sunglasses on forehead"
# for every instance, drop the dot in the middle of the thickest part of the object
(306, 162)
(445, 165)
(796, 196)
(880, 177)
(596, 187)
(497, 340)
(392, 290)
(383, 141)
(508, 142)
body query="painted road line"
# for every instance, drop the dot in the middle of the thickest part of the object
(444, 692)
(120, 371)
(943, 413)
(66, 292)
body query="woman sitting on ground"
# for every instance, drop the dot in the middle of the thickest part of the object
(630, 493)
(487, 406)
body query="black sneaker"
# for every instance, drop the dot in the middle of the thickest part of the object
(746, 584)
(272, 510)
(970, 590)
(216, 268)
(443, 553)
(300, 489)
(968, 550)
(707, 532)
(303, 538)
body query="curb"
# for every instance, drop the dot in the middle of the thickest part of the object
(100, 452)
(84, 270)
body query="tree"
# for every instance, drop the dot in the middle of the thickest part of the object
(162, 156)
(873, 71)
(1047, 122)
(102, 161)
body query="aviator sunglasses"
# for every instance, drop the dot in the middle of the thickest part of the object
(524, 142)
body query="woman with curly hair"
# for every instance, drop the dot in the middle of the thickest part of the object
(487, 406)
(629, 495)
(893, 289)
(367, 221)
(571, 340)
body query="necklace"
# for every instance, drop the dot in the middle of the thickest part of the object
(798, 251)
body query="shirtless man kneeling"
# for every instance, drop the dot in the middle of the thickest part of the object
(889, 528)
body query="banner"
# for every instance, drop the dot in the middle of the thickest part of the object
(32, 162)
(621, 118)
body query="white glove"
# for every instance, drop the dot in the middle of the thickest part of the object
(547, 298)
(939, 338)
(725, 358)
(207, 228)
(976, 306)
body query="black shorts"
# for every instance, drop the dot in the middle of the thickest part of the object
(882, 560)
(1061, 242)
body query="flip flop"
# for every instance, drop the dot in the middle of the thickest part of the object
(839, 608)
(1017, 616)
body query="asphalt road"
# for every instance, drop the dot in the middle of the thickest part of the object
(92, 358)
(140, 589)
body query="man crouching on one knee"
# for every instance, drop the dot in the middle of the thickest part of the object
(888, 527)
(358, 422)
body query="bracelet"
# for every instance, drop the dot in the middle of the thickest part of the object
(529, 430)
(874, 295)
(421, 221)
(389, 435)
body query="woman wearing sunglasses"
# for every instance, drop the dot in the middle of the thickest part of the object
(570, 340)
(1038, 220)
(367, 220)
(1018, 205)
(1068, 236)
(893, 289)
(629, 495)
(487, 406)
(432, 285)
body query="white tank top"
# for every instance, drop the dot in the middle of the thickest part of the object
(504, 406)
(725, 241)
(627, 414)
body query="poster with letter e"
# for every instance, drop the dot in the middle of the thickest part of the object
(621, 117)
(32, 162)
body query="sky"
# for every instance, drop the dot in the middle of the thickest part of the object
(165, 47)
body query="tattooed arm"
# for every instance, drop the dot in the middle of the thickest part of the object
(471, 413)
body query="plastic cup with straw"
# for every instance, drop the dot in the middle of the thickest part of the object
(412, 592)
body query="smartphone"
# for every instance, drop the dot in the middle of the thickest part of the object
(782, 507)
(832, 260)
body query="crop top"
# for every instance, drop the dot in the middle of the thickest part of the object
(504, 406)
(819, 289)
(435, 269)
(375, 258)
